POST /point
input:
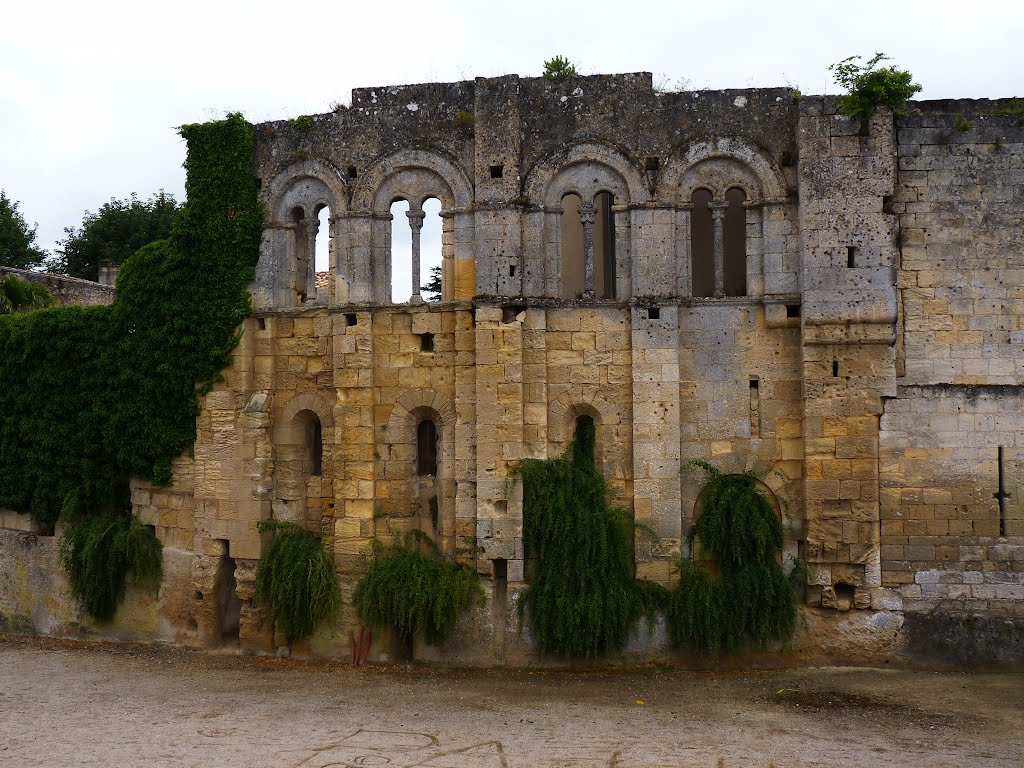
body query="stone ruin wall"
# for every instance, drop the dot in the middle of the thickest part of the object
(66, 290)
(881, 272)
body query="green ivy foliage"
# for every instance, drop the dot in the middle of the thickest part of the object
(869, 88)
(750, 599)
(414, 591)
(296, 580)
(99, 552)
(582, 599)
(91, 396)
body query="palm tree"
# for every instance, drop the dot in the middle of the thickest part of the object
(17, 295)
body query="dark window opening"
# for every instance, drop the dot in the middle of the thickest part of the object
(261, 324)
(229, 605)
(755, 409)
(199, 595)
(845, 595)
(300, 256)
(835, 368)
(500, 566)
(351, 319)
(315, 446)
(604, 246)
(426, 342)
(353, 172)
(497, 171)
(509, 312)
(426, 449)
(851, 256)
(511, 270)
(735, 233)
(702, 257)
(1001, 495)
(652, 164)
(792, 310)
(654, 313)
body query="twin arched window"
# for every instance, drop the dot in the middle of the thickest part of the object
(588, 246)
(718, 243)
(416, 234)
(310, 251)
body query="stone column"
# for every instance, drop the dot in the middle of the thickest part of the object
(587, 213)
(718, 215)
(415, 224)
(312, 226)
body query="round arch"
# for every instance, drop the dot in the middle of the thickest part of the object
(431, 164)
(325, 187)
(568, 168)
(735, 164)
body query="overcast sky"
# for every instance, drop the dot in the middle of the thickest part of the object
(91, 90)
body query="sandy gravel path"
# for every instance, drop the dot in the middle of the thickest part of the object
(118, 705)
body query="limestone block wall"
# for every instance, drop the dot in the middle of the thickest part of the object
(951, 439)
(741, 406)
(848, 284)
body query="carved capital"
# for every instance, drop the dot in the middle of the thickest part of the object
(587, 212)
(718, 210)
(415, 219)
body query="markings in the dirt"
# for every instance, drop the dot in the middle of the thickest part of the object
(367, 747)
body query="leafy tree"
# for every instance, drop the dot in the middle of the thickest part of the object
(869, 88)
(115, 232)
(17, 241)
(17, 295)
(431, 289)
(559, 68)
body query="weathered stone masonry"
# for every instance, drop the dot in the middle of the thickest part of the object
(736, 276)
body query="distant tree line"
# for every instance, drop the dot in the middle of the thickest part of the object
(112, 234)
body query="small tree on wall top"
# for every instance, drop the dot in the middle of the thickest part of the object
(869, 88)
(558, 68)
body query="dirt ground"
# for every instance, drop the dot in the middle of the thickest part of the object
(64, 704)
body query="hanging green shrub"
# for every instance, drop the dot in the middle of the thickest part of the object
(749, 599)
(582, 599)
(296, 580)
(414, 591)
(99, 552)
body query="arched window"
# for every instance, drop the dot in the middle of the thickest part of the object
(573, 278)
(604, 246)
(322, 251)
(735, 243)
(401, 252)
(300, 256)
(702, 245)
(579, 220)
(430, 253)
(426, 448)
(313, 455)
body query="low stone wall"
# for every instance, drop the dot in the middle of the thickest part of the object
(67, 290)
